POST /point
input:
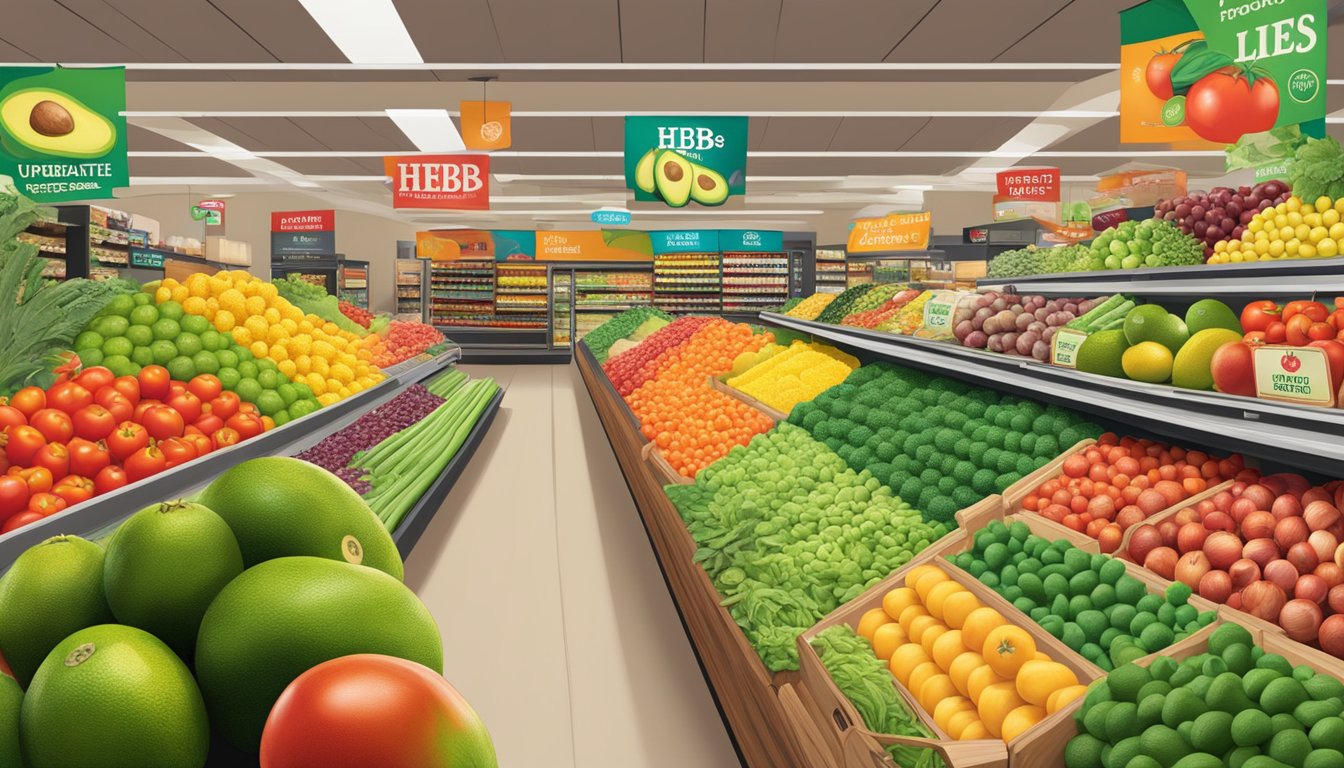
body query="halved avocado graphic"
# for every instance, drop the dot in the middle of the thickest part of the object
(55, 123)
(674, 176)
(644, 171)
(709, 187)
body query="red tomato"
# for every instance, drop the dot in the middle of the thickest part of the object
(223, 438)
(1259, 314)
(129, 386)
(1312, 309)
(128, 438)
(225, 404)
(175, 388)
(55, 425)
(324, 718)
(208, 423)
(69, 397)
(21, 519)
(94, 378)
(22, 444)
(154, 380)
(177, 450)
(1224, 105)
(87, 458)
(55, 458)
(246, 425)
(163, 422)
(1334, 352)
(1297, 330)
(1276, 333)
(187, 404)
(74, 489)
(39, 479)
(205, 386)
(1320, 332)
(1158, 74)
(29, 400)
(145, 462)
(142, 407)
(109, 479)
(94, 422)
(115, 402)
(13, 495)
(13, 417)
(46, 504)
(202, 443)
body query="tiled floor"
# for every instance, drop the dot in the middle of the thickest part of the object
(556, 624)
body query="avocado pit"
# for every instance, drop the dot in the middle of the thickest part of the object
(51, 119)
(672, 171)
(706, 183)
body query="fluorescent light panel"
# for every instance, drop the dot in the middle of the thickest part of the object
(366, 31)
(432, 130)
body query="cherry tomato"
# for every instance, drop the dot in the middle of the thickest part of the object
(145, 462)
(109, 479)
(14, 495)
(154, 380)
(175, 388)
(29, 400)
(39, 479)
(1296, 332)
(1320, 332)
(1255, 338)
(177, 450)
(223, 438)
(129, 386)
(128, 438)
(74, 489)
(1224, 105)
(22, 444)
(94, 378)
(208, 423)
(1259, 314)
(188, 405)
(46, 503)
(87, 458)
(202, 443)
(94, 422)
(246, 425)
(21, 519)
(163, 422)
(205, 386)
(55, 458)
(116, 403)
(11, 417)
(69, 397)
(55, 425)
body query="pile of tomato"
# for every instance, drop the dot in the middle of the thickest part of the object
(404, 341)
(358, 315)
(633, 367)
(96, 432)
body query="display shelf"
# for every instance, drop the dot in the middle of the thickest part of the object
(688, 282)
(1261, 279)
(1301, 436)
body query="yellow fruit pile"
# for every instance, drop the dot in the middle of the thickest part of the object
(333, 363)
(796, 374)
(978, 675)
(1293, 229)
(809, 308)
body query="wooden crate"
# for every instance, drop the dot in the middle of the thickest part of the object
(661, 469)
(974, 518)
(799, 711)
(719, 385)
(1015, 493)
(1170, 512)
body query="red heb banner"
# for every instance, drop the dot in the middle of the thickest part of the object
(1030, 184)
(444, 182)
(303, 221)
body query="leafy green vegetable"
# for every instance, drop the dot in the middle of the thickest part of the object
(840, 308)
(1255, 149)
(1032, 260)
(314, 300)
(600, 339)
(1318, 169)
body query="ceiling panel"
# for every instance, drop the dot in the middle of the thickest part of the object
(576, 30)
(852, 166)
(1084, 30)
(142, 140)
(965, 133)
(756, 128)
(741, 30)
(328, 166)
(847, 30)
(10, 53)
(662, 30)
(143, 45)
(356, 134)
(451, 32)
(609, 133)
(49, 31)
(550, 166)
(282, 27)
(261, 133)
(561, 134)
(875, 133)
(195, 27)
(178, 166)
(996, 27)
(798, 133)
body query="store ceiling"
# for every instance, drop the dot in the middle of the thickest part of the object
(910, 95)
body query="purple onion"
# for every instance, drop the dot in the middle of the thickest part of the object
(335, 451)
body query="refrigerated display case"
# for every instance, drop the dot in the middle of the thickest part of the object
(354, 283)
(411, 279)
(462, 293)
(562, 308)
(522, 295)
(688, 282)
(831, 275)
(754, 281)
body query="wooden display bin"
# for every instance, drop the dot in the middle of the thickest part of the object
(719, 385)
(1169, 513)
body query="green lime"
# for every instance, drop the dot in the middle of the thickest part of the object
(171, 310)
(163, 351)
(281, 417)
(88, 340)
(140, 335)
(288, 393)
(269, 402)
(118, 346)
(248, 389)
(91, 356)
(268, 378)
(119, 365)
(305, 392)
(248, 369)
(196, 324)
(229, 377)
(242, 352)
(142, 298)
(112, 325)
(188, 343)
(205, 362)
(227, 358)
(302, 408)
(167, 329)
(214, 341)
(145, 315)
(266, 364)
(142, 356)
(120, 306)
(181, 368)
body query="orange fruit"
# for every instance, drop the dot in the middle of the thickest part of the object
(904, 660)
(981, 678)
(921, 675)
(975, 730)
(897, 600)
(1019, 720)
(1063, 697)
(947, 648)
(961, 669)
(908, 617)
(957, 606)
(938, 594)
(957, 722)
(887, 639)
(871, 621)
(930, 636)
(1007, 648)
(1036, 680)
(934, 690)
(945, 709)
(996, 701)
(913, 575)
(927, 582)
(1042, 656)
(978, 625)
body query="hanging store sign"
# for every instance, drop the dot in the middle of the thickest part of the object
(62, 133)
(682, 160)
(1041, 184)
(486, 125)
(684, 241)
(611, 217)
(209, 211)
(303, 221)
(303, 232)
(895, 232)
(432, 247)
(440, 182)
(485, 244)
(750, 241)
(594, 245)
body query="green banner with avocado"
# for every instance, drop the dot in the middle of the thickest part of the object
(682, 160)
(62, 133)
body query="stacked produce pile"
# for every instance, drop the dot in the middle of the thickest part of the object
(628, 324)
(1295, 324)
(1032, 260)
(1087, 601)
(1013, 324)
(1222, 213)
(809, 308)
(97, 432)
(692, 424)
(788, 305)
(941, 444)
(312, 299)
(975, 672)
(360, 316)
(1233, 704)
(787, 533)
(865, 681)
(404, 340)
(1271, 549)
(1292, 229)
(629, 369)
(796, 374)
(841, 306)
(872, 318)
(876, 296)
(1117, 483)
(909, 317)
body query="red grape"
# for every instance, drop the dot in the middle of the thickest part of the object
(1221, 213)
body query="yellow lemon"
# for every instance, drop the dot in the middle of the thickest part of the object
(258, 349)
(224, 321)
(180, 294)
(328, 398)
(163, 293)
(1148, 361)
(288, 368)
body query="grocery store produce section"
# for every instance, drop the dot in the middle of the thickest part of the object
(1065, 527)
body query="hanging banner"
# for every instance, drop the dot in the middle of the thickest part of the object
(684, 241)
(1221, 73)
(681, 160)
(303, 221)
(486, 125)
(303, 232)
(750, 241)
(440, 182)
(594, 245)
(209, 211)
(62, 134)
(895, 232)
(1040, 184)
(486, 244)
(611, 216)
(433, 247)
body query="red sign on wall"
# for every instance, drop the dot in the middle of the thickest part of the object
(443, 182)
(1040, 184)
(303, 221)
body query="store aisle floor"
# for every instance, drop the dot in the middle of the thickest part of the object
(556, 623)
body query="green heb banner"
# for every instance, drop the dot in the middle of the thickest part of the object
(62, 134)
(681, 160)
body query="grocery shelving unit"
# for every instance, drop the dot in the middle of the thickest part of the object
(353, 281)
(831, 270)
(754, 281)
(688, 282)
(61, 244)
(411, 279)
(522, 294)
(462, 293)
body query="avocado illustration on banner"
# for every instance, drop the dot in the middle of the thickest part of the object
(680, 160)
(55, 123)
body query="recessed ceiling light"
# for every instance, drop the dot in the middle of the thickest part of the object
(366, 31)
(431, 130)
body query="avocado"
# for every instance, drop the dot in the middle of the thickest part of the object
(709, 187)
(644, 171)
(50, 122)
(674, 175)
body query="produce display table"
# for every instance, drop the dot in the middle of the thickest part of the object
(1299, 278)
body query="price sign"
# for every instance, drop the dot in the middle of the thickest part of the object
(1064, 347)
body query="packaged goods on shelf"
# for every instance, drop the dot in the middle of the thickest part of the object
(754, 281)
(688, 282)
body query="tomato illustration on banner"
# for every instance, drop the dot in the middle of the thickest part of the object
(440, 182)
(486, 125)
(681, 160)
